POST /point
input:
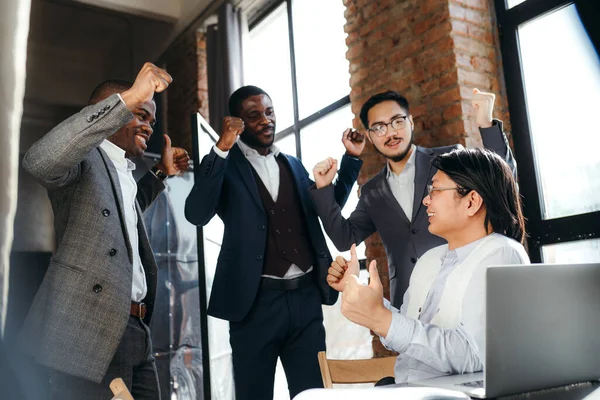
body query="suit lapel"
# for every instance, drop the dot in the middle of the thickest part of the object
(245, 170)
(116, 186)
(422, 168)
(386, 193)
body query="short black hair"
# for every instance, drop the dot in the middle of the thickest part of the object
(237, 97)
(108, 88)
(380, 98)
(490, 176)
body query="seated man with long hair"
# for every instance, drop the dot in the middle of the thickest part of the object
(474, 204)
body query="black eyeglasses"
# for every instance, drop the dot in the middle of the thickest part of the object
(381, 129)
(431, 189)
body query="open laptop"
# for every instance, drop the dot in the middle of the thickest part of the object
(542, 330)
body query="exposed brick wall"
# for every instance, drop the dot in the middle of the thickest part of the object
(182, 62)
(433, 52)
(202, 74)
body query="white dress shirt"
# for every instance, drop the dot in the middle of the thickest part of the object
(403, 184)
(128, 186)
(267, 169)
(428, 350)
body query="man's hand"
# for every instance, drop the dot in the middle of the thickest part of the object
(341, 270)
(231, 128)
(149, 80)
(354, 142)
(483, 103)
(324, 172)
(363, 305)
(173, 159)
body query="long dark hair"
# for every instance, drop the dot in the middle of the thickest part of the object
(489, 175)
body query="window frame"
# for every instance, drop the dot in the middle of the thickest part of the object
(298, 124)
(540, 231)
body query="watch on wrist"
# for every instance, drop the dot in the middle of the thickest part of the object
(158, 173)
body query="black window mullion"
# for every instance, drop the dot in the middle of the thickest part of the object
(294, 78)
(528, 10)
(515, 88)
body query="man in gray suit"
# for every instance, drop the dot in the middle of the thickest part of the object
(89, 320)
(391, 202)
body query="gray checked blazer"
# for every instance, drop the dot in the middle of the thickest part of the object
(80, 311)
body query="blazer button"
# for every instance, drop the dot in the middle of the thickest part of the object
(413, 260)
(414, 231)
(283, 252)
(259, 257)
(106, 212)
(97, 288)
(113, 252)
(89, 119)
(277, 231)
(261, 227)
(272, 212)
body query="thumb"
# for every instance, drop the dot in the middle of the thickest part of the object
(476, 91)
(167, 141)
(353, 256)
(374, 281)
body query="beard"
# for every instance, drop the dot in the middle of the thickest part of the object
(251, 139)
(400, 156)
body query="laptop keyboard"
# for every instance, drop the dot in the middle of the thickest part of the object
(473, 384)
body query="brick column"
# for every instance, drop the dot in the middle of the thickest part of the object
(186, 62)
(433, 52)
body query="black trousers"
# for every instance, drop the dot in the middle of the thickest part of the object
(281, 323)
(133, 362)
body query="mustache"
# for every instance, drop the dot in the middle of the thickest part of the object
(268, 128)
(392, 139)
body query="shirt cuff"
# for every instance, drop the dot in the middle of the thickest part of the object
(220, 153)
(400, 333)
(121, 98)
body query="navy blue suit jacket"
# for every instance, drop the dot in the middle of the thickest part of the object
(226, 187)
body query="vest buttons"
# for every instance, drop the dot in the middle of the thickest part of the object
(261, 227)
(112, 252)
(259, 257)
(272, 212)
(283, 252)
(277, 231)
(413, 260)
(97, 288)
(106, 212)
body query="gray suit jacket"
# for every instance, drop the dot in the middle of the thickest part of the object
(404, 240)
(80, 311)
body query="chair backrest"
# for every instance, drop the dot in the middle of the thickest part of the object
(119, 390)
(354, 371)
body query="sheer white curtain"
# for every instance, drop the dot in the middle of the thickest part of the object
(14, 28)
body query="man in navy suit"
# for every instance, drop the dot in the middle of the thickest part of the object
(271, 272)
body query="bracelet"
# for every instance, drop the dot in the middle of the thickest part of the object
(158, 173)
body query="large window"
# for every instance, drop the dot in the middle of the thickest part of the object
(553, 81)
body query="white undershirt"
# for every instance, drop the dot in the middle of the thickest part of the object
(128, 186)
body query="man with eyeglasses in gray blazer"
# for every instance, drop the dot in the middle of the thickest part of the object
(390, 202)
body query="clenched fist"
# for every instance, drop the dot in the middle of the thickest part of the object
(231, 128)
(149, 80)
(483, 104)
(324, 172)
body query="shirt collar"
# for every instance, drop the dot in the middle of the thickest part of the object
(248, 151)
(409, 164)
(117, 155)
(462, 252)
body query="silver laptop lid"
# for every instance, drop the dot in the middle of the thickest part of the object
(543, 324)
